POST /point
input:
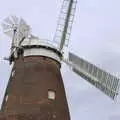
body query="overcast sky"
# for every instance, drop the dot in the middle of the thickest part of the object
(95, 37)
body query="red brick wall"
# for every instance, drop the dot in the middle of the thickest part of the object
(28, 91)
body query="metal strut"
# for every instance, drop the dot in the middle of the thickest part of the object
(65, 21)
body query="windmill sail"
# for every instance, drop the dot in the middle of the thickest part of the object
(65, 21)
(104, 81)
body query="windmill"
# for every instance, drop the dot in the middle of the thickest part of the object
(35, 89)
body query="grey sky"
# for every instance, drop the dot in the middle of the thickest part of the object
(95, 37)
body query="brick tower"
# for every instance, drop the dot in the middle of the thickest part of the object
(35, 90)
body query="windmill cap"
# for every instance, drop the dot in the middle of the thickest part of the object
(34, 46)
(32, 40)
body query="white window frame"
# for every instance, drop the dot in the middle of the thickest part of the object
(51, 94)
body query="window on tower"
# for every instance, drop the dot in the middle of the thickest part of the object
(13, 73)
(6, 98)
(51, 94)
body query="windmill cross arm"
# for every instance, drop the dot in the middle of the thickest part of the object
(102, 80)
(64, 25)
(90, 77)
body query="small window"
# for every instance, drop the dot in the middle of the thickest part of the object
(13, 73)
(6, 98)
(51, 94)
